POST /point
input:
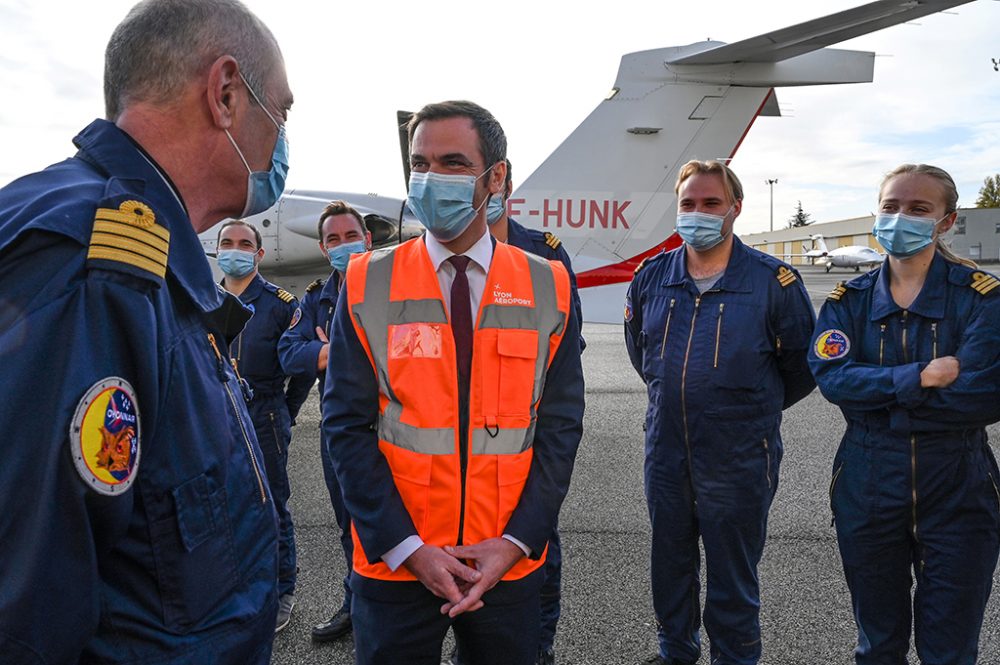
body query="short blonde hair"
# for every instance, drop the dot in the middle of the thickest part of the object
(732, 184)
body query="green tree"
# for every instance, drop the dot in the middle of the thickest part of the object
(800, 218)
(989, 193)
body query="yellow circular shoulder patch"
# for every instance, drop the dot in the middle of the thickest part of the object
(104, 436)
(832, 344)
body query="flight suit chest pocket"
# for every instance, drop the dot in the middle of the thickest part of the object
(193, 550)
(734, 346)
(517, 353)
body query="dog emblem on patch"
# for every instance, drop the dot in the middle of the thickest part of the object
(832, 344)
(104, 436)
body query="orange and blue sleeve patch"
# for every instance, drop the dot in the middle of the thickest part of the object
(104, 436)
(832, 344)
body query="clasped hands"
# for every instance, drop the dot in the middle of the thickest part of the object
(461, 575)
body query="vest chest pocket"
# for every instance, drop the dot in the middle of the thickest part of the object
(514, 372)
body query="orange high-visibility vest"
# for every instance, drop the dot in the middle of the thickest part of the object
(401, 320)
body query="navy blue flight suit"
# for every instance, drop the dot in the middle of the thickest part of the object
(549, 247)
(298, 350)
(137, 526)
(719, 368)
(914, 481)
(272, 407)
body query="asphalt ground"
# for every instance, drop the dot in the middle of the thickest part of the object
(607, 615)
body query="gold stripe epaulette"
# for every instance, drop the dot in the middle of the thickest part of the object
(640, 266)
(552, 241)
(837, 293)
(785, 276)
(315, 284)
(984, 283)
(285, 295)
(130, 235)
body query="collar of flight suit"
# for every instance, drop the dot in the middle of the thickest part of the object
(929, 302)
(736, 278)
(110, 149)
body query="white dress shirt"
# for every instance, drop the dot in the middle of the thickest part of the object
(481, 255)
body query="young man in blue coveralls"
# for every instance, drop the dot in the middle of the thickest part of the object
(146, 532)
(304, 349)
(719, 333)
(273, 408)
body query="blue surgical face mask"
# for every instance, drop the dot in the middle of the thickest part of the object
(264, 187)
(443, 203)
(494, 209)
(701, 230)
(340, 254)
(904, 235)
(235, 262)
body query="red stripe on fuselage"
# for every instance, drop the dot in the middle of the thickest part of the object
(617, 273)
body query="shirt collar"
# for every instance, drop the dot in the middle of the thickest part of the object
(735, 278)
(929, 303)
(481, 253)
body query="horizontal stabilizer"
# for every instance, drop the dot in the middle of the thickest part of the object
(818, 33)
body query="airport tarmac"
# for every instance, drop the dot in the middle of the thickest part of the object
(607, 615)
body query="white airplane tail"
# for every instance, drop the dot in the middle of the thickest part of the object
(820, 243)
(608, 189)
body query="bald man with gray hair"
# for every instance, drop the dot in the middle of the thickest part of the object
(146, 532)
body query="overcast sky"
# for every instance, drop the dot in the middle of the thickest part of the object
(541, 67)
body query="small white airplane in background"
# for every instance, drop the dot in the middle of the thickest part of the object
(607, 190)
(849, 256)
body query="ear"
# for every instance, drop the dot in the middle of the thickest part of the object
(945, 224)
(737, 209)
(498, 176)
(260, 254)
(368, 240)
(322, 247)
(223, 82)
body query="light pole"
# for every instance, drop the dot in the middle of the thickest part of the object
(771, 183)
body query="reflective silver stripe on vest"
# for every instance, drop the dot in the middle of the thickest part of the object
(505, 442)
(425, 440)
(372, 312)
(430, 310)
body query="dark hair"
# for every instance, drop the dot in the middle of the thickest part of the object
(339, 208)
(161, 45)
(492, 140)
(240, 222)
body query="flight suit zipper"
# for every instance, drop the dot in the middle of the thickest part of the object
(996, 490)
(767, 458)
(718, 335)
(881, 344)
(670, 313)
(687, 438)
(934, 335)
(913, 444)
(220, 365)
(274, 431)
(833, 483)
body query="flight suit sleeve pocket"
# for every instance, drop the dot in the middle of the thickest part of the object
(194, 512)
(191, 547)
(518, 352)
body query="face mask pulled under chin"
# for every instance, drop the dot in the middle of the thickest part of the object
(444, 203)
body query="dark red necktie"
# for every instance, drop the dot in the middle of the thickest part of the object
(461, 320)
